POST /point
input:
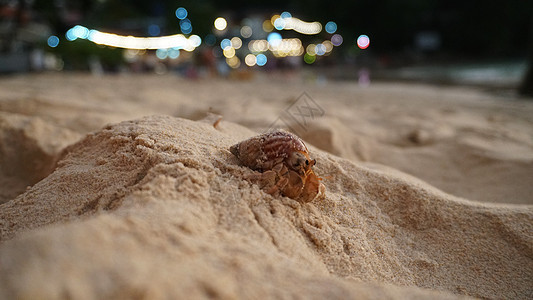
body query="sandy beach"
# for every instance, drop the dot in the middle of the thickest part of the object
(121, 187)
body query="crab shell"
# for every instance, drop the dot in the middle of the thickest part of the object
(264, 151)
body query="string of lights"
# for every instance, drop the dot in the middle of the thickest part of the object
(231, 48)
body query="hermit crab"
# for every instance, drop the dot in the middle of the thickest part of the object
(283, 163)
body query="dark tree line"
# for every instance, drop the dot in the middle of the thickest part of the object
(526, 88)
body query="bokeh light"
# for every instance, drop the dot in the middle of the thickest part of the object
(131, 55)
(221, 23)
(267, 26)
(274, 39)
(233, 62)
(363, 41)
(53, 41)
(336, 39)
(274, 18)
(309, 59)
(328, 45)
(331, 27)
(279, 24)
(70, 35)
(154, 30)
(286, 15)
(80, 31)
(246, 31)
(195, 40)
(225, 43)
(236, 42)
(186, 26)
(173, 53)
(320, 49)
(229, 52)
(181, 13)
(287, 47)
(250, 60)
(279, 47)
(310, 50)
(295, 24)
(261, 60)
(77, 32)
(258, 45)
(161, 53)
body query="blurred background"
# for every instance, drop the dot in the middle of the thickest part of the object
(486, 43)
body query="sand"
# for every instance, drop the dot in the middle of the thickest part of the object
(120, 187)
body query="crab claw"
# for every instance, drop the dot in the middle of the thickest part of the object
(312, 188)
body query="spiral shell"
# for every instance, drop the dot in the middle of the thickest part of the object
(264, 151)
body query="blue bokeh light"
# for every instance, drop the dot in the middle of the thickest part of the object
(261, 59)
(70, 35)
(80, 31)
(154, 30)
(173, 53)
(274, 39)
(225, 43)
(53, 41)
(161, 53)
(286, 15)
(186, 26)
(279, 24)
(76, 32)
(181, 13)
(331, 27)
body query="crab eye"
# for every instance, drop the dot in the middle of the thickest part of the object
(306, 162)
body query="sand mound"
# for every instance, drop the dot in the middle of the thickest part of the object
(165, 213)
(466, 142)
(331, 135)
(28, 151)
